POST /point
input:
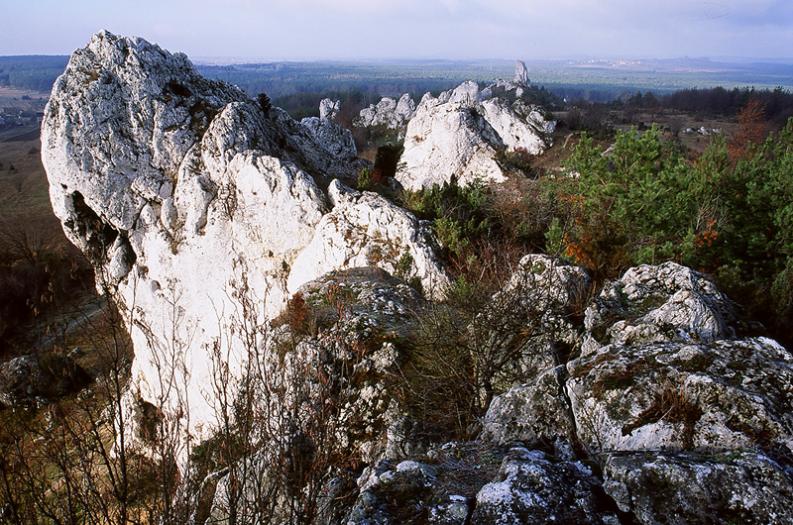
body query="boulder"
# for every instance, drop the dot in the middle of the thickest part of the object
(675, 489)
(659, 369)
(668, 302)
(534, 412)
(532, 488)
(728, 394)
(393, 494)
(34, 378)
(365, 229)
(388, 115)
(535, 318)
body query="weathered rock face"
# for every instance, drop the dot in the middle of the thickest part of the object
(445, 140)
(365, 229)
(722, 395)
(679, 426)
(659, 370)
(532, 489)
(668, 398)
(343, 351)
(531, 413)
(533, 319)
(388, 114)
(194, 203)
(461, 483)
(743, 487)
(182, 191)
(459, 134)
(334, 139)
(663, 303)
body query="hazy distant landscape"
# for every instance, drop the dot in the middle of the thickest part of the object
(592, 80)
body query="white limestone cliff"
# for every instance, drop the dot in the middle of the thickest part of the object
(184, 193)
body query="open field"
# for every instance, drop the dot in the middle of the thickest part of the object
(24, 197)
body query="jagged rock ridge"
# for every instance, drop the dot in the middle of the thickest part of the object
(182, 190)
(460, 132)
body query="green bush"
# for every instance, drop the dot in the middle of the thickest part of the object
(365, 179)
(645, 202)
(458, 213)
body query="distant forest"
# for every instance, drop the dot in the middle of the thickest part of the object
(37, 73)
(777, 104)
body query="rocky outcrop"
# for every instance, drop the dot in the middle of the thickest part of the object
(666, 303)
(664, 393)
(445, 140)
(365, 229)
(531, 488)
(388, 115)
(512, 89)
(460, 483)
(336, 140)
(460, 133)
(331, 361)
(742, 487)
(722, 395)
(688, 422)
(224, 230)
(183, 191)
(533, 412)
(521, 73)
(660, 369)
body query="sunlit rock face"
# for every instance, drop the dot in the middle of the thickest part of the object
(182, 191)
(461, 132)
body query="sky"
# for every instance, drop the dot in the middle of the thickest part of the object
(410, 29)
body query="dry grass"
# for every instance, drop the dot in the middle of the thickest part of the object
(671, 404)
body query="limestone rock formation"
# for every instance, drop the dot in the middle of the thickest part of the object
(183, 191)
(743, 487)
(531, 412)
(445, 140)
(660, 369)
(460, 483)
(336, 140)
(721, 395)
(521, 73)
(530, 488)
(218, 224)
(365, 229)
(459, 133)
(388, 115)
(658, 304)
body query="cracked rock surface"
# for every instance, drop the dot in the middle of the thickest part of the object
(183, 190)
